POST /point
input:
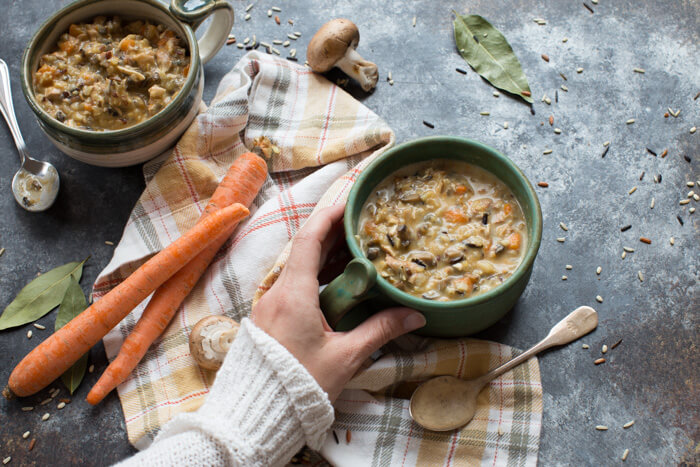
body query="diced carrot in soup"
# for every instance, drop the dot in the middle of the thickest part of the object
(514, 241)
(455, 216)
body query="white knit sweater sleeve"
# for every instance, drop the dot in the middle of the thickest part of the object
(262, 408)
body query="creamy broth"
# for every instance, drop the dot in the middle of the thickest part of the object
(110, 74)
(443, 230)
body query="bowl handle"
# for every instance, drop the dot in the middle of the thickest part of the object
(219, 29)
(352, 287)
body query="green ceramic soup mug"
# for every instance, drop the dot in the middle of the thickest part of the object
(151, 137)
(360, 291)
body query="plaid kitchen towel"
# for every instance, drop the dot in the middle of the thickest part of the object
(326, 138)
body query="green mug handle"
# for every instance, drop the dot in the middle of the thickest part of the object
(219, 29)
(352, 287)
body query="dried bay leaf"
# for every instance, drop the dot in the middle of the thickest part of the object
(488, 52)
(72, 305)
(41, 295)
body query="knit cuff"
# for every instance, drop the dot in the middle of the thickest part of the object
(264, 405)
(310, 401)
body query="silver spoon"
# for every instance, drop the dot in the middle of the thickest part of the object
(445, 402)
(36, 183)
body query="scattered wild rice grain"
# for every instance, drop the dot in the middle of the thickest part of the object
(496, 93)
(91, 368)
(623, 255)
(247, 17)
(604, 349)
(628, 424)
(505, 125)
(684, 202)
(672, 241)
(641, 177)
(599, 299)
(31, 444)
(26, 434)
(651, 151)
(606, 144)
(547, 151)
(557, 131)
(564, 88)
(625, 454)
(107, 242)
(628, 249)
(545, 57)
(664, 153)
(29, 334)
(297, 33)
(276, 8)
(45, 401)
(277, 20)
(286, 44)
(630, 121)
(599, 361)
(428, 124)
(638, 70)
(348, 436)
(239, 45)
(569, 267)
(632, 190)
(500, 430)
(579, 70)
(691, 210)
(2, 251)
(653, 201)
(7, 460)
(39, 326)
(693, 130)
(413, 23)
(461, 70)
(616, 344)
(625, 228)
(601, 427)
(563, 227)
(551, 120)
(598, 270)
(561, 239)
(547, 101)
(690, 184)
(691, 193)
(645, 240)
(269, 13)
(248, 8)
(680, 221)
(45, 416)
(584, 346)
(335, 437)
(564, 278)
(566, 39)
(585, 5)
(543, 184)
(60, 405)
(485, 112)
(27, 409)
(277, 42)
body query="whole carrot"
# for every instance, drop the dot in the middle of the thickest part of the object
(56, 354)
(241, 184)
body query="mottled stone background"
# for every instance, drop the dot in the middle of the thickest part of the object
(652, 377)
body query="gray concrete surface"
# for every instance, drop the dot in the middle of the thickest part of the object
(652, 377)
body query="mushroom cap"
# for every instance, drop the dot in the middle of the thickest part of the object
(330, 43)
(210, 339)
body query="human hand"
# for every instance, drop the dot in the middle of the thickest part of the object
(290, 311)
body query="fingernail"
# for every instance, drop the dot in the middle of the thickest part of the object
(414, 321)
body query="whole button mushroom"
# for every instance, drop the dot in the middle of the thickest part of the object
(210, 340)
(334, 46)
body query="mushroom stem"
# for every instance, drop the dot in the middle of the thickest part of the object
(359, 69)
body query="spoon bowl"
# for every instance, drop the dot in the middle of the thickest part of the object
(445, 403)
(36, 183)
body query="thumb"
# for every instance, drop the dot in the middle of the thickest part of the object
(380, 328)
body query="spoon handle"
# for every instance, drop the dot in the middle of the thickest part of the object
(577, 324)
(8, 111)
